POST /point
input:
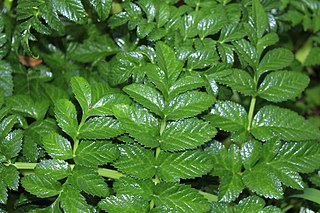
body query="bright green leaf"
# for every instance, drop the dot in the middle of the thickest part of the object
(247, 52)
(250, 153)
(54, 168)
(134, 187)
(11, 144)
(71, 9)
(82, 91)
(260, 18)
(6, 82)
(184, 84)
(57, 146)
(102, 7)
(10, 177)
(230, 187)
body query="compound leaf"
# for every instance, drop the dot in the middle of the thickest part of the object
(41, 186)
(136, 161)
(273, 121)
(66, 115)
(186, 134)
(229, 116)
(100, 128)
(124, 203)
(95, 153)
(187, 164)
(282, 85)
(57, 146)
(139, 123)
(179, 198)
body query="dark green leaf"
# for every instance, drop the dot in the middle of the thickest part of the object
(3, 193)
(100, 128)
(228, 116)
(136, 161)
(139, 123)
(267, 40)
(71, 9)
(6, 83)
(186, 134)
(275, 59)
(82, 91)
(230, 187)
(313, 57)
(7, 124)
(88, 180)
(250, 153)
(56, 169)
(282, 85)
(57, 146)
(247, 52)
(72, 201)
(10, 177)
(211, 23)
(66, 116)
(124, 204)
(41, 186)
(147, 96)
(184, 84)
(187, 164)
(102, 7)
(188, 104)
(133, 187)
(11, 144)
(237, 79)
(260, 18)
(94, 153)
(180, 198)
(273, 121)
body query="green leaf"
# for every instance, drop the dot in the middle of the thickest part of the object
(136, 161)
(237, 79)
(187, 164)
(147, 96)
(54, 168)
(66, 116)
(82, 91)
(230, 187)
(186, 134)
(88, 180)
(102, 7)
(184, 84)
(267, 40)
(27, 106)
(158, 77)
(6, 82)
(260, 18)
(72, 201)
(247, 52)
(283, 85)
(71, 9)
(271, 187)
(250, 153)
(10, 177)
(11, 144)
(125, 204)
(7, 124)
(310, 194)
(57, 146)
(275, 59)
(228, 116)
(167, 61)
(313, 57)
(3, 193)
(273, 121)
(179, 198)
(41, 186)
(95, 153)
(188, 104)
(100, 128)
(139, 123)
(134, 187)
(211, 23)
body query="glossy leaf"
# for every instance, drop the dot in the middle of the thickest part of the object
(41, 186)
(139, 123)
(260, 18)
(275, 59)
(72, 201)
(57, 146)
(250, 153)
(82, 91)
(11, 145)
(282, 85)
(228, 116)
(184, 84)
(188, 104)
(10, 177)
(179, 198)
(102, 7)
(182, 165)
(54, 168)
(124, 203)
(230, 187)
(158, 77)
(94, 153)
(247, 52)
(211, 23)
(186, 134)
(6, 82)
(73, 9)
(267, 40)
(237, 79)
(134, 187)
(100, 128)
(147, 96)
(88, 180)
(136, 161)
(273, 121)
(66, 115)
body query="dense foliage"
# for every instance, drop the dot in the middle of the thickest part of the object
(159, 106)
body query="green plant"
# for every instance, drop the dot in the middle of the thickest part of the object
(152, 106)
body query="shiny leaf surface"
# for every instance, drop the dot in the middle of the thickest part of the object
(57, 146)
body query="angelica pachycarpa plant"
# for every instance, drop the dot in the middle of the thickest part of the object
(150, 106)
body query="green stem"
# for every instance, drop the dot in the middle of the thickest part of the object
(209, 197)
(109, 173)
(251, 111)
